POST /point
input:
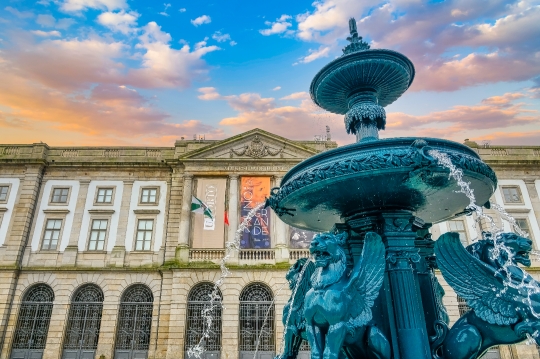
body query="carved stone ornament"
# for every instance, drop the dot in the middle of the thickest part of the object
(256, 149)
(412, 255)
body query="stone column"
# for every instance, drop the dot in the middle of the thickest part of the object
(69, 258)
(281, 235)
(233, 212)
(118, 252)
(182, 253)
(408, 310)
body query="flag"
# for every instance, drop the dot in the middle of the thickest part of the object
(199, 206)
(226, 219)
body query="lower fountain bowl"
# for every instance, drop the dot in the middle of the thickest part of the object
(382, 175)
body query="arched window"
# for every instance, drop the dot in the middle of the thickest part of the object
(199, 300)
(134, 323)
(83, 323)
(256, 321)
(33, 322)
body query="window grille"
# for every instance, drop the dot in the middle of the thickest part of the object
(199, 299)
(462, 306)
(60, 195)
(104, 195)
(51, 234)
(145, 228)
(84, 319)
(98, 234)
(34, 318)
(257, 319)
(149, 195)
(135, 319)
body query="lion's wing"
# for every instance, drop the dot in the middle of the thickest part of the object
(366, 280)
(476, 282)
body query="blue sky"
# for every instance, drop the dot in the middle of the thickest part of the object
(120, 72)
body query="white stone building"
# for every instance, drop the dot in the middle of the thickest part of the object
(101, 256)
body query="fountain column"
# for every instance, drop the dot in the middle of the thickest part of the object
(408, 310)
(182, 253)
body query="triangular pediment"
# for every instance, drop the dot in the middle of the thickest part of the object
(254, 144)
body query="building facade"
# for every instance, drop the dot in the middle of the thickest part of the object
(101, 255)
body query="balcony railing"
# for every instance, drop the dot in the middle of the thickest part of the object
(296, 254)
(206, 255)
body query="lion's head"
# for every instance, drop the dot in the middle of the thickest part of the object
(330, 258)
(519, 247)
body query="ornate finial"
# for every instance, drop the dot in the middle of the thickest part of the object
(356, 41)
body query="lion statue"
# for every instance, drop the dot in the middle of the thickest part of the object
(504, 299)
(337, 308)
(295, 331)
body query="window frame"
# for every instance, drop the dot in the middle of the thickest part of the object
(520, 194)
(136, 232)
(141, 203)
(96, 196)
(529, 231)
(465, 230)
(61, 232)
(51, 203)
(8, 185)
(107, 231)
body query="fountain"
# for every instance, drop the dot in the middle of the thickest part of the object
(374, 293)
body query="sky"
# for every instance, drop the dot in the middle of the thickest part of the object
(146, 72)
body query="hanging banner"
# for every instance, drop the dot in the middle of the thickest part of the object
(300, 238)
(210, 232)
(253, 191)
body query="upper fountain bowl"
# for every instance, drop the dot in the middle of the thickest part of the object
(385, 74)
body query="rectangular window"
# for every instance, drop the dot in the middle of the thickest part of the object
(4, 193)
(97, 235)
(511, 195)
(51, 234)
(104, 195)
(60, 195)
(144, 234)
(149, 195)
(523, 224)
(459, 227)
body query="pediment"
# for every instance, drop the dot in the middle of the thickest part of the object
(254, 144)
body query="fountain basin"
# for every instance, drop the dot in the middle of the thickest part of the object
(383, 175)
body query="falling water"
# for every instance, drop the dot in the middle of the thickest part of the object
(291, 306)
(215, 299)
(530, 286)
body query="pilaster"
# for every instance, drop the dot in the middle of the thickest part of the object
(69, 258)
(182, 252)
(118, 252)
(233, 213)
(281, 235)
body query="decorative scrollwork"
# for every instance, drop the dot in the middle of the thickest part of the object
(256, 149)
(411, 255)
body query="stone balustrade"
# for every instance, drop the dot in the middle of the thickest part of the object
(257, 256)
(296, 254)
(206, 255)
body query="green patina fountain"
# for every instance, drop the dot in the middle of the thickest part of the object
(370, 290)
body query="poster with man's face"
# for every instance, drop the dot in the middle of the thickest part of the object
(300, 238)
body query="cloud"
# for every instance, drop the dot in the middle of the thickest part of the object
(164, 12)
(182, 9)
(277, 27)
(45, 20)
(233, 43)
(47, 33)
(19, 14)
(322, 51)
(204, 19)
(82, 5)
(123, 22)
(450, 47)
(277, 88)
(219, 37)
(296, 96)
